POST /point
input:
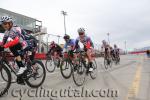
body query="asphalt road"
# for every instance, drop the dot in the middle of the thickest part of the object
(130, 80)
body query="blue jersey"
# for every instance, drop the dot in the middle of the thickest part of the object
(70, 43)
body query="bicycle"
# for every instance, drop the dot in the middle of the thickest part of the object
(115, 58)
(52, 63)
(107, 61)
(4, 86)
(82, 69)
(29, 76)
(66, 65)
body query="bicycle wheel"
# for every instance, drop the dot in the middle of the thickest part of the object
(12, 71)
(66, 69)
(50, 66)
(93, 74)
(107, 63)
(79, 74)
(4, 85)
(13, 77)
(116, 61)
(57, 62)
(35, 78)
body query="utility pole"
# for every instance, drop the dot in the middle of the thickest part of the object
(58, 38)
(108, 34)
(64, 14)
(125, 45)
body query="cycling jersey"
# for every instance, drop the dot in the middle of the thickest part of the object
(55, 48)
(86, 41)
(71, 43)
(116, 49)
(14, 34)
(106, 46)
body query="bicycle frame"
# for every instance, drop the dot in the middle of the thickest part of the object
(4, 60)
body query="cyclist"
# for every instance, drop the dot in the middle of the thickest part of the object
(106, 47)
(116, 50)
(112, 53)
(148, 53)
(87, 46)
(55, 50)
(15, 41)
(69, 44)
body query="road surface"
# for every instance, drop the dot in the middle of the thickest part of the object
(128, 81)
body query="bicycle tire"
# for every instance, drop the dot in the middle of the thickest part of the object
(66, 62)
(48, 65)
(82, 67)
(43, 79)
(8, 82)
(94, 65)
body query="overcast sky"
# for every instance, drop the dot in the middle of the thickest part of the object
(125, 20)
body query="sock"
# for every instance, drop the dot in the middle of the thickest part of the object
(19, 63)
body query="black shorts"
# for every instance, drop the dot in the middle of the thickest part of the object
(15, 49)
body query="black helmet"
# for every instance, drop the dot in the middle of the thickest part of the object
(66, 36)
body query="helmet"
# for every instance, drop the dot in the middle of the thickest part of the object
(66, 37)
(115, 45)
(104, 41)
(52, 43)
(6, 19)
(81, 30)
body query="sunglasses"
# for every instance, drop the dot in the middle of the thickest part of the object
(66, 38)
(5, 23)
(81, 33)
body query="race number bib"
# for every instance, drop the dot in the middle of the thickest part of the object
(1, 37)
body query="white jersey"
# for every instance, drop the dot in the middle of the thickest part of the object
(105, 45)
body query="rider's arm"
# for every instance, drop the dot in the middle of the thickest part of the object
(59, 47)
(12, 43)
(73, 45)
(91, 42)
(65, 47)
(15, 37)
(77, 44)
(102, 48)
(5, 38)
(49, 51)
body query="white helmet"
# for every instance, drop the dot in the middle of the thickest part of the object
(6, 19)
(104, 41)
(81, 30)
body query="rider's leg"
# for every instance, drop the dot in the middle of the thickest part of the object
(22, 68)
(90, 59)
(55, 55)
(109, 53)
(32, 56)
(15, 52)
